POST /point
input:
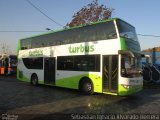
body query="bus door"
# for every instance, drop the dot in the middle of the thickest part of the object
(49, 70)
(110, 73)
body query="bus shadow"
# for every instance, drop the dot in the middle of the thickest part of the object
(99, 104)
(21, 94)
(107, 104)
(17, 94)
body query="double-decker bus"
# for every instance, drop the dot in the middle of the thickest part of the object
(8, 64)
(102, 57)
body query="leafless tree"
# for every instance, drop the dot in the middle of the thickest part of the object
(5, 49)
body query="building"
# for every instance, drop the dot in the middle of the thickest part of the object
(155, 55)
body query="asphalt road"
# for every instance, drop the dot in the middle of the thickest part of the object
(43, 102)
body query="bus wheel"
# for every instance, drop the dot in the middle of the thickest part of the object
(86, 86)
(34, 79)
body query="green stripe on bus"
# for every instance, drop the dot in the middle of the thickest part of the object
(124, 91)
(123, 44)
(18, 47)
(73, 82)
(26, 79)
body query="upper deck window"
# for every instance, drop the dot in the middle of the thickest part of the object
(88, 33)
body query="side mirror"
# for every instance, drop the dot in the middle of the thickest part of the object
(123, 71)
(140, 71)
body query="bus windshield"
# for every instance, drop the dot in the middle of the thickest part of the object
(130, 66)
(126, 30)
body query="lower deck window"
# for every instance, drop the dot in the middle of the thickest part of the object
(33, 63)
(79, 63)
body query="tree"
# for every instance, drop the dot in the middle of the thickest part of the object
(93, 12)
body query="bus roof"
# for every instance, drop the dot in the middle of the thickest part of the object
(50, 32)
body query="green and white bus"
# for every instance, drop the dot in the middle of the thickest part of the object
(102, 57)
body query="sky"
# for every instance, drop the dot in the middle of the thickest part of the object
(19, 15)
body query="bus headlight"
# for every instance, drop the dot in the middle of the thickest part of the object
(126, 86)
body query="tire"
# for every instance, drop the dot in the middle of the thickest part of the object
(86, 86)
(34, 79)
